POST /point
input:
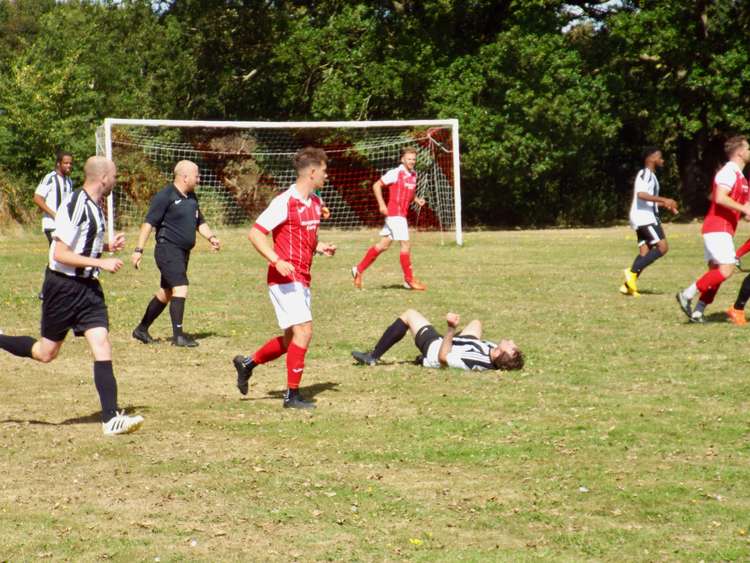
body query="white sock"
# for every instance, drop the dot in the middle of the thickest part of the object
(699, 308)
(690, 292)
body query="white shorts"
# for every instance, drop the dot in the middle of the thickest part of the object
(719, 248)
(291, 301)
(396, 228)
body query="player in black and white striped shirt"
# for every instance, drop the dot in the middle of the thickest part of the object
(52, 191)
(465, 350)
(73, 297)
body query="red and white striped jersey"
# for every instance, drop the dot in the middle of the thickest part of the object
(294, 224)
(402, 186)
(721, 219)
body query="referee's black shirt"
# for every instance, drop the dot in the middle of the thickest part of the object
(175, 217)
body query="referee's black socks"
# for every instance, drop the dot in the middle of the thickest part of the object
(390, 337)
(106, 386)
(177, 312)
(17, 345)
(154, 309)
(742, 296)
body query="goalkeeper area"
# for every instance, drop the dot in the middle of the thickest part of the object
(245, 164)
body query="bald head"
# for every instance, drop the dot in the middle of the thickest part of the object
(96, 167)
(100, 172)
(186, 175)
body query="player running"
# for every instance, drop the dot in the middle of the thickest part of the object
(402, 191)
(729, 199)
(644, 219)
(293, 219)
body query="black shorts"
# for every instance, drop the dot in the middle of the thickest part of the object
(650, 234)
(172, 262)
(71, 303)
(424, 337)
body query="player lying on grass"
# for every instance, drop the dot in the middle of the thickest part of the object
(465, 350)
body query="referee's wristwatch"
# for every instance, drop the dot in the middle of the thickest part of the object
(138, 249)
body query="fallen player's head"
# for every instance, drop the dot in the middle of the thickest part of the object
(506, 356)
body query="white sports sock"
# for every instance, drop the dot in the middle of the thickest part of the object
(690, 292)
(700, 307)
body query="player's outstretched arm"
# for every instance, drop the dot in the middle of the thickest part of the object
(65, 255)
(259, 240)
(143, 235)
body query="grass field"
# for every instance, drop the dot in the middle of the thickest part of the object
(626, 437)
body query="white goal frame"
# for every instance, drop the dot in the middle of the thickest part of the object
(109, 122)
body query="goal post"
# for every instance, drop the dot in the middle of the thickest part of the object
(243, 164)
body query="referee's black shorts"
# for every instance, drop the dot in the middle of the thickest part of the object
(172, 262)
(71, 303)
(424, 337)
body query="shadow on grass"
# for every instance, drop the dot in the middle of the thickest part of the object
(308, 392)
(395, 286)
(87, 419)
(718, 317)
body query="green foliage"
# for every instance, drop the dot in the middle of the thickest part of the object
(555, 98)
(535, 126)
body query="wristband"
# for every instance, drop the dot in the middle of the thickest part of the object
(138, 249)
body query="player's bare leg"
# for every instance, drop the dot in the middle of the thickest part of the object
(409, 320)
(474, 328)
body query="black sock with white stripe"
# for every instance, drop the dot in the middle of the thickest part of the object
(154, 309)
(106, 386)
(640, 263)
(742, 296)
(390, 337)
(177, 312)
(17, 345)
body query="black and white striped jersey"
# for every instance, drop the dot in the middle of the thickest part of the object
(644, 212)
(79, 224)
(467, 353)
(54, 188)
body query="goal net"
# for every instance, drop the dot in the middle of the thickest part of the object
(243, 165)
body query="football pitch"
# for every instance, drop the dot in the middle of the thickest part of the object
(625, 438)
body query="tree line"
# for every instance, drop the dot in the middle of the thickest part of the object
(555, 99)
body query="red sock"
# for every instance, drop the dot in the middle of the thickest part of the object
(744, 249)
(708, 296)
(710, 280)
(405, 259)
(269, 351)
(372, 253)
(295, 365)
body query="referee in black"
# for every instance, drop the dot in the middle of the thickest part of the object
(175, 214)
(73, 298)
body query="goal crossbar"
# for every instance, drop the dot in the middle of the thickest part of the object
(110, 122)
